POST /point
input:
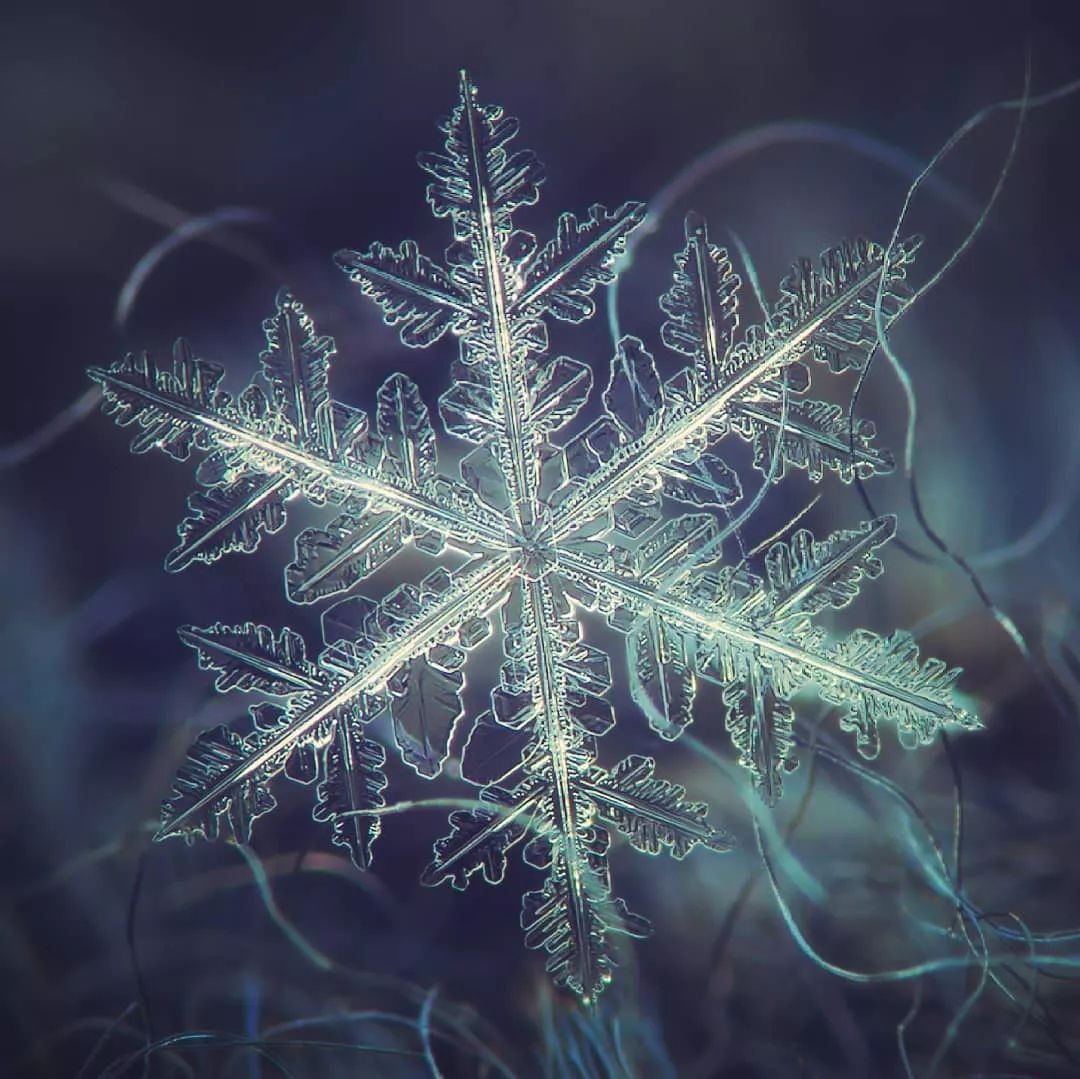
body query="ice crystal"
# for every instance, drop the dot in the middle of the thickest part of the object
(620, 518)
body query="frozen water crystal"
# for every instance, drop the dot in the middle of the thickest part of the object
(621, 518)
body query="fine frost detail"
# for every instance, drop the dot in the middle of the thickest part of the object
(620, 516)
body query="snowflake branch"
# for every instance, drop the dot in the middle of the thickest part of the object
(823, 667)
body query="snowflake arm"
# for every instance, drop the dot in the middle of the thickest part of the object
(825, 313)
(569, 802)
(227, 776)
(572, 915)
(724, 630)
(270, 445)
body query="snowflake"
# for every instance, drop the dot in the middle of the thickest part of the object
(621, 518)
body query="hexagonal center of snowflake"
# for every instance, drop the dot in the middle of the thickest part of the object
(535, 554)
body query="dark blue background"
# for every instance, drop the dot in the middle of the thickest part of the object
(118, 120)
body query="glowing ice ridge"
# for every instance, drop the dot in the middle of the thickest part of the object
(620, 519)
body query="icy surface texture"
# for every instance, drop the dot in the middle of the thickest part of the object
(623, 518)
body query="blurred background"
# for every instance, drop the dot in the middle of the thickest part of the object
(165, 168)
